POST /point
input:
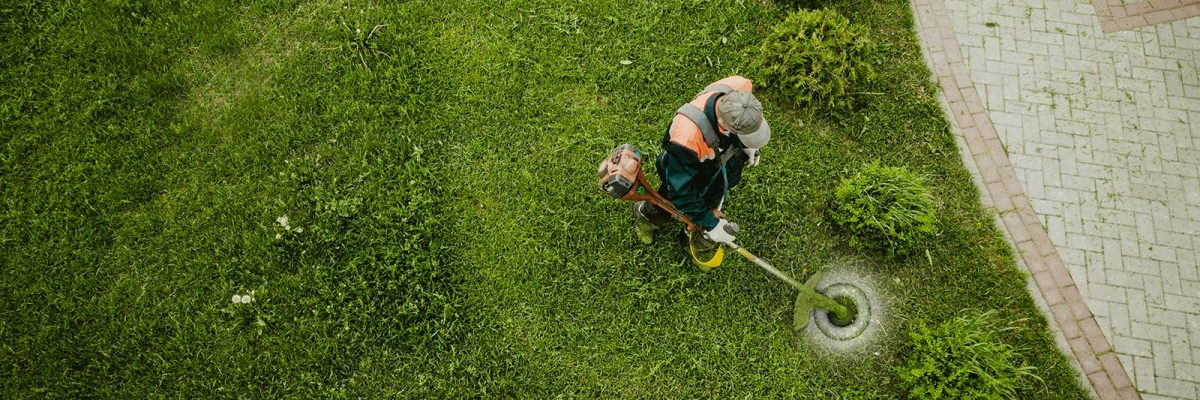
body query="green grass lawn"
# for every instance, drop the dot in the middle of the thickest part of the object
(436, 161)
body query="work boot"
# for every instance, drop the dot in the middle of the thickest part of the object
(641, 224)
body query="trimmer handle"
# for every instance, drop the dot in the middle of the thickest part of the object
(732, 228)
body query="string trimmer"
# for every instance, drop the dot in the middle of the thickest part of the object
(621, 177)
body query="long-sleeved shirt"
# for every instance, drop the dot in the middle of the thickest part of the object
(688, 166)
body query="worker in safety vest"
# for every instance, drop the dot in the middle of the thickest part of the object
(710, 140)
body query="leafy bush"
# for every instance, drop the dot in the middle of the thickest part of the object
(885, 208)
(963, 358)
(814, 58)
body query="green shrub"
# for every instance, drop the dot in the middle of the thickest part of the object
(885, 208)
(814, 58)
(963, 358)
(810, 4)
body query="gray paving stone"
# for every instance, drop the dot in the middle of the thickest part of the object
(1181, 348)
(1187, 304)
(1154, 292)
(1190, 286)
(1164, 361)
(1119, 321)
(1133, 346)
(1169, 271)
(1124, 278)
(1187, 372)
(1135, 302)
(1174, 387)
(1107, 293)
(1151, 331)
(1146, 396)
(1177, 320)
(1143, 373)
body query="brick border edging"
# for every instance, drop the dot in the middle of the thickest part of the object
(1070, 314)
(1115, 16)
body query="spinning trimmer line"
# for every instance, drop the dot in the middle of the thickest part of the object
(622, 178)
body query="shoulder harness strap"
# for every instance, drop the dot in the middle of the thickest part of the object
(728, 155)
(706, 127)
(706, 119)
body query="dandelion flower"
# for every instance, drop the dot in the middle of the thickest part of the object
(237, 299)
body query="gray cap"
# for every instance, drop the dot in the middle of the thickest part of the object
(742, 114)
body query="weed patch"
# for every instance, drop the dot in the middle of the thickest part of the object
(964, 357)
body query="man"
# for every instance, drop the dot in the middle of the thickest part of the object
(710, 140)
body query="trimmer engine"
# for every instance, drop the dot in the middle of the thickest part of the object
(621, 177)
(620, 172)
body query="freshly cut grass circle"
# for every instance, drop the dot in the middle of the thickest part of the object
(851, 313)
(858, 320)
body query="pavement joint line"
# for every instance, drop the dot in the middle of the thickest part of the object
(1070, 314)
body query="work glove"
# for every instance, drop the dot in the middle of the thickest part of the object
(722, 233)
(752, 154)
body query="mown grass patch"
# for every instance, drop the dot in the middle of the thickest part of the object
(441, 170)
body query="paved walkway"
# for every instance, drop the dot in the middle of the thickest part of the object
(1083, 120)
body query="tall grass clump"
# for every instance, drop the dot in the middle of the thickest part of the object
(884, 208)
(963, 358)
(815, 59)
